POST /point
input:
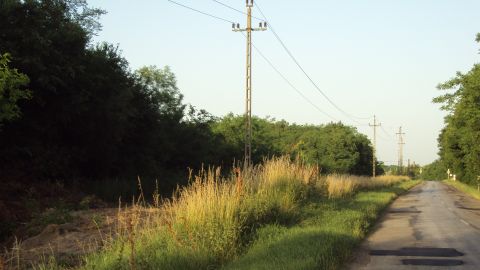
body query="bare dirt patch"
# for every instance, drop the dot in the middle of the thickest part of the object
(68, 242)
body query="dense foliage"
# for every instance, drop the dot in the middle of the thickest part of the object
(11, 92)
(458, 141)
(434, 171)
(90, 117)
(336, 148)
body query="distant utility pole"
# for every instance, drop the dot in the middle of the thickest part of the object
(374, 157)
(400, 149)
(408, 166)
(248, 97)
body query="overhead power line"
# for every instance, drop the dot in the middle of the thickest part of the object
(304, 72)
(290, 83)
(291, 55)
(264, 57)
(269, 62)
(201, 12)
(386, 132)
(234, 9)
(383, 138)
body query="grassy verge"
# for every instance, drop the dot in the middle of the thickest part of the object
(209, 222)
(280, 214)
(471, 190)
(326, 235)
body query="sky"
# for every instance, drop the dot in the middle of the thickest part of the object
(370, 57)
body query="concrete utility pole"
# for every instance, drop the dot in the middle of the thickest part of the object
(374, 157)
(400, 149)
(248, 97)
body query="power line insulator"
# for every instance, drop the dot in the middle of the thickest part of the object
(238, 25)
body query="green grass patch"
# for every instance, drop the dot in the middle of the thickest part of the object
(326, 235)
(470, 190)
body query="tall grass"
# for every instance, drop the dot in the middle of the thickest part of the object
(214, 219)
(324, 239)
(208, 222)
(343, 185)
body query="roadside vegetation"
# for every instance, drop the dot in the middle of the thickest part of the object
(458, 140)
(471, 190)
(434, 171)
(77, 120)
(280, 213)
(326, 234)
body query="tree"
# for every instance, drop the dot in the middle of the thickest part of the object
(49, 45)
(160, 86)
(11, 90)
(336, 148)
(458, 141)
(151, 141)
(434, 171)
(90, 117)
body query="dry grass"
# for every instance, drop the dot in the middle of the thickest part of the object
(344, 185)
(204, 224)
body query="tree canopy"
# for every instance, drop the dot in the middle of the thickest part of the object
(458, 141)
(11, 92)
(335, 147)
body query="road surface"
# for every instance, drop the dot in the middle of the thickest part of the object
(433, 226)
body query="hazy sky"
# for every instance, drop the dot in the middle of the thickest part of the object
(378, 57)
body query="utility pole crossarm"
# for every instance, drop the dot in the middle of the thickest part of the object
(374, 158)
(248, 92)
(261, 27)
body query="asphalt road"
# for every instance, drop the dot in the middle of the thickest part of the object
(433, 226)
